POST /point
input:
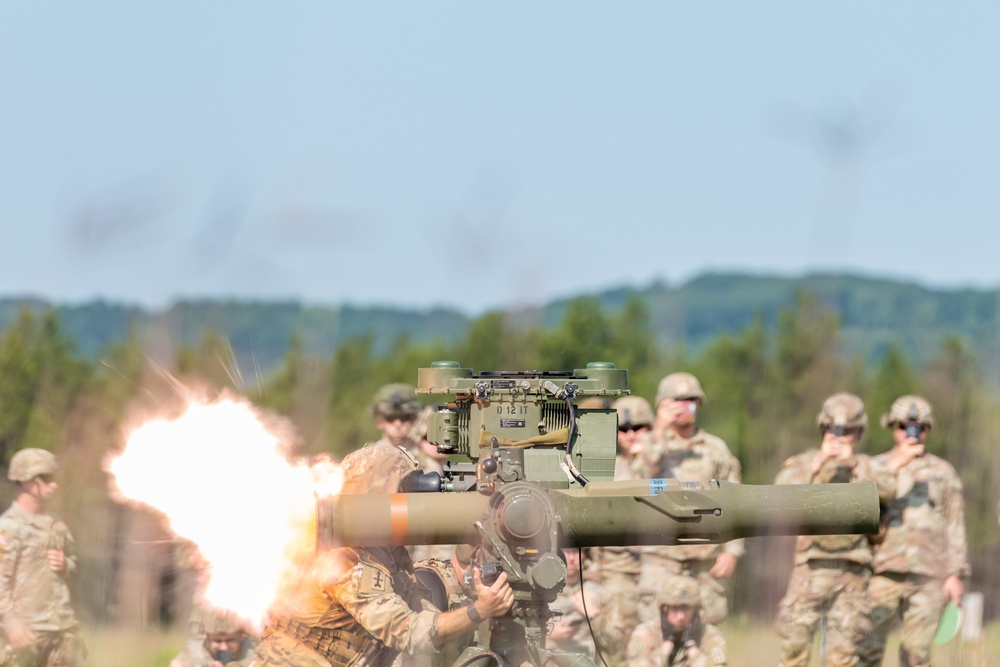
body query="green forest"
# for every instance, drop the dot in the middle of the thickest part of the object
(765, 375)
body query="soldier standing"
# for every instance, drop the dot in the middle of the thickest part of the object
(678, 637)
(362, 606)
(635, 419)
(831, 572)
(37, 562)
(921, 560)
(680, 449)
(395, 409)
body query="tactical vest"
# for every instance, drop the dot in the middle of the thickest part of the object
(340, 647)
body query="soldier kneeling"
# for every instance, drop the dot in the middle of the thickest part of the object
(679, 638)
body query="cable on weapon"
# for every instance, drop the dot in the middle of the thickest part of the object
(586, 612)
(567, 396)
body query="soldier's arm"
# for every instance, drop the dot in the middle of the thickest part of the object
(69, 553)
(958, 559)
(19, 636)
(647, 649)
(885, 480)
(8, 570)
(713, 648)
(491, 602)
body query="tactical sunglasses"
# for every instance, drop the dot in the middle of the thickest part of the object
(844, 431)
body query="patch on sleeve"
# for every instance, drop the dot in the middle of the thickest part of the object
(374, 580)
(718, 656)
(4, 540)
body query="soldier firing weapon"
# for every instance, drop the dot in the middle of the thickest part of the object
(530, 473)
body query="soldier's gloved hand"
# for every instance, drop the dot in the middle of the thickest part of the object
(57, 559)
(492, 601)
(20, 636)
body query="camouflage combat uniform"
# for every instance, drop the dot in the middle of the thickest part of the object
(616, 570)
(924, 544)
(645, 648)
(32, 595)
(700, 458)
(580, 641)
(357, 607)
(458, 595)
(831, 573)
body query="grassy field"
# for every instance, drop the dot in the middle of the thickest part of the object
(749, 646)
(756, 645)
(127, 648)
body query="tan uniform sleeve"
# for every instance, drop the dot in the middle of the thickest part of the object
(644, 648)
(369, 596)
(8, 569)
(713, 648)
(958, 558)
(69, 550)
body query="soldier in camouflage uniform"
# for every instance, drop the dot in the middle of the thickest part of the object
(921, 559)
(831, 572)
(449, 588)
(569, 632)
(635, 419)
(362, 606)
(37, 562)
(616, 569)
(396, 409)
(678, 636)
(403, 423)
(680, 449)
(219, 639)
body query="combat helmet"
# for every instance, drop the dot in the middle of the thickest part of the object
(844, 410)
(633, 411)
(395, 400)
(677, 590)
(909, 408)
(679, 385)
(214, 621)
(28, 464)
(376, 468)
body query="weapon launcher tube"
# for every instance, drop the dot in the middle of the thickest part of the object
(640, 512)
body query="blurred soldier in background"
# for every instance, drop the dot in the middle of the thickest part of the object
(831, 572)
(363, 606)
(569, 632)
(218, 639)
(678, 636)
(635, 419)
(403, 423)
(680, 449)
(395, 408)
(37, 561)
(921, 559)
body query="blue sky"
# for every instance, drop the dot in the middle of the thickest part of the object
(481, 155)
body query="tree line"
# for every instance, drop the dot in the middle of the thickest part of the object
(764, 385)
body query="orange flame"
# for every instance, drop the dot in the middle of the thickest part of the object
(221, 476)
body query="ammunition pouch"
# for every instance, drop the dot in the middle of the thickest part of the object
(341, 648)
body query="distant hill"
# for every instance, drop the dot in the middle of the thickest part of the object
(873, 312)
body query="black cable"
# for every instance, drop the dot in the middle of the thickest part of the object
(586, 613)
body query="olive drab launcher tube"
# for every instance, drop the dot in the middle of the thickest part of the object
(629, 513)
(530, 471)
